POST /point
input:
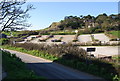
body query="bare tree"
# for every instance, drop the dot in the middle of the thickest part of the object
(12, 15)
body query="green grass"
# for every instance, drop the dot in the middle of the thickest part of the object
(115, 33)
(116, 57)
(32, 52)
(16, 69)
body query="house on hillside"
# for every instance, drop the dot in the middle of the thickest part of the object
(89, 23)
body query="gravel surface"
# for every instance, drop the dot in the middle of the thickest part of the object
(104, 50)
(101, 37)
(69, 38)
(87, 38)
(36, 39)
(84, 38)
(66, 38)
(57, 37)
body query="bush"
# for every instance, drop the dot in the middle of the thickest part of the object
(114, 39)
(57, 50)
(96, 40)
(75, 40)
(4, 41)
(98, 31)
(57, 41)
(86, 31)
(63, 33)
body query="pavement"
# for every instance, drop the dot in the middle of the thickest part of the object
(84, 38)
(51, 70)
(57, 37)
(66, 38)
(104, 50)
(69, 38)
(87, 38)
(37, 39)
(101, 37)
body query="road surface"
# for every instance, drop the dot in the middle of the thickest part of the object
(51, 70)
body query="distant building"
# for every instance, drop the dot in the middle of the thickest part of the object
(3, 35)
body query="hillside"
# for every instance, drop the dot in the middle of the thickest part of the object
(95, 24)
(54, 26)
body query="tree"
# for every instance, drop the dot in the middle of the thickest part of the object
(101, 18)
(12, 16)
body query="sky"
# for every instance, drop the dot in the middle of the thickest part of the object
(48, 12)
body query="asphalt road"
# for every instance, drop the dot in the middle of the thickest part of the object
(51, 70)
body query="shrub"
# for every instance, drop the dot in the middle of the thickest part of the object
(114, 39)
(86, 31)
(63, 33)
(57, 41)
(96, 40)
(75, 40)
(96, 43)
(57, 50)
(98, 31)
(4, 41)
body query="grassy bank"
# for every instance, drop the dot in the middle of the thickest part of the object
(115, 33)
(91, 65)
(16, 69)
(32, 52)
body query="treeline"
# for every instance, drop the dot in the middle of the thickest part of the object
(101, 22)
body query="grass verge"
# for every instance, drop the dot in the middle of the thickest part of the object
(16, 69)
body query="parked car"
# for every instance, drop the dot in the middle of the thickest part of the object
(55, 40)
(51, 36)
